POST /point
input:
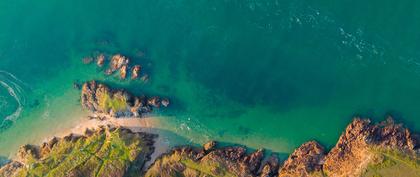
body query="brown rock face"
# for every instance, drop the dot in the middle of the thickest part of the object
(387, 134)
(352, 154)
(305, 160)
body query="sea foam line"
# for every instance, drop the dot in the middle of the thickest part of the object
(11, 83)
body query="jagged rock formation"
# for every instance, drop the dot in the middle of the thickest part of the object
(209, 161)
(115, 152)
(356, 147)
(304, 161)
(116, 63)
(98, 98)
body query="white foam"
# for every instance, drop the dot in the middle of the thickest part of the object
(12, 84)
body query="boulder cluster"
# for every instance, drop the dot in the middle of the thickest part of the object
(116, 64)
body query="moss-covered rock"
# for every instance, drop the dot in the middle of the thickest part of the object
(107, 151)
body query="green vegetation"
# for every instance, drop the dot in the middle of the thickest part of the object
(390, 163)
(116, 102)
(110, 153)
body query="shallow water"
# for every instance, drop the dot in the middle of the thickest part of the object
(264, 73)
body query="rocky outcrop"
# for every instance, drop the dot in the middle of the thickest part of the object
(123, 72)
(353, 152)
(116, 64)
(135, 72)
(98, 98)
(304, 161)
(100, 60)
(106, 151)
(208, 161)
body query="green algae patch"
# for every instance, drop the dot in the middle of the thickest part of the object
(105, 152)
(116, 103)
(390, 163)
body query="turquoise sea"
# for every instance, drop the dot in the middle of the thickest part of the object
(262, 73)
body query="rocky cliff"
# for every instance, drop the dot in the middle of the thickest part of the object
(363, 143)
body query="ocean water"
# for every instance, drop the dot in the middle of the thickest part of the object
(264, 73)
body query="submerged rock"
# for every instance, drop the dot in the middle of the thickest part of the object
(145, 78)
(87, 60)
(165, 102)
